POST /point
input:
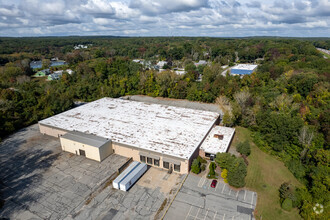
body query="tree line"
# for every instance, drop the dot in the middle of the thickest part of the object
(285, 103)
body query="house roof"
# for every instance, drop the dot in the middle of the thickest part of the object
(164, 129)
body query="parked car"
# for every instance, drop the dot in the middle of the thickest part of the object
(214, 183)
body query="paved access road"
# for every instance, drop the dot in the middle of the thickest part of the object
(197, 200)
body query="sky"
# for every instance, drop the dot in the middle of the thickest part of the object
(213, 18)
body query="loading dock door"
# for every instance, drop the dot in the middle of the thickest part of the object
(82, 153)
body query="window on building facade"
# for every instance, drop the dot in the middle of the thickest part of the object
(142, 158)
(156, 162)
(177, 167)
(166, 165)
(149, 160)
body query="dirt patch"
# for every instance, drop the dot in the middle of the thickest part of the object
(161, 209)
(156, 177)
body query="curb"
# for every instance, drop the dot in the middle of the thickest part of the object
(184, 180)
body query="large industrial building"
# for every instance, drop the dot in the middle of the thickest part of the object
(162, 136)
(243, 69)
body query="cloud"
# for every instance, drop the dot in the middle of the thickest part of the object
(253, 4)
(153, 7)
(165, 17)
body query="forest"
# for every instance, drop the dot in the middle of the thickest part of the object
(285, 103)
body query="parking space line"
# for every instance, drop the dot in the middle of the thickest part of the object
(197, 213)
(223, 188)
(244, 194)
(252, 199)
(206, 213)
(215, 214)
(215, 189)
(229, 191)
(224, 215)
(200, 184)
(232, 218)
(237, 194)
(189, 212)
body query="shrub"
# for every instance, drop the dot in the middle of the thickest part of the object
(201, 160)
(203, 167)
(212, 168)
(244, 148)
(224, 160)
(224, 175)
(195, 167)
(285, 191)
(212, 173)
(287, 204)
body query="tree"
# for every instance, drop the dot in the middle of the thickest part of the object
(212, 167)
(226, 107)
(241, 99)
(236, 173)
(195, 167)
(285, 191)
(305, 138)
(244, 148)
(45, 63)
(224, 160)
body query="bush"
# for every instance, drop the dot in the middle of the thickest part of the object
(212, 168)
(235, 167)
(203, 167)
(285, 191)
(212, 173)
(195, 167)
(287, 204)
(224, 175)
(244, 148)
(224, 160)
(201, 160)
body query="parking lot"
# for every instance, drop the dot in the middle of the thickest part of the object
(39, 181)
(197, 200)
(147, 199)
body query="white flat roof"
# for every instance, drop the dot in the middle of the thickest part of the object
(164, 129)
(245, 67)
(213, 144)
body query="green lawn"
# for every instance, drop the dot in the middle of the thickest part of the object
(265, 175)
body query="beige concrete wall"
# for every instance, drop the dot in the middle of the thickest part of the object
(73, 147)
(105, 150)
(201, 153)
(51, 131)
(128, 151)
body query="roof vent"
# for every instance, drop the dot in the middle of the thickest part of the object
(219, 136)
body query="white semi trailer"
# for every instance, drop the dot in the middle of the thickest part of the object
(126, 172)
(132, 177)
